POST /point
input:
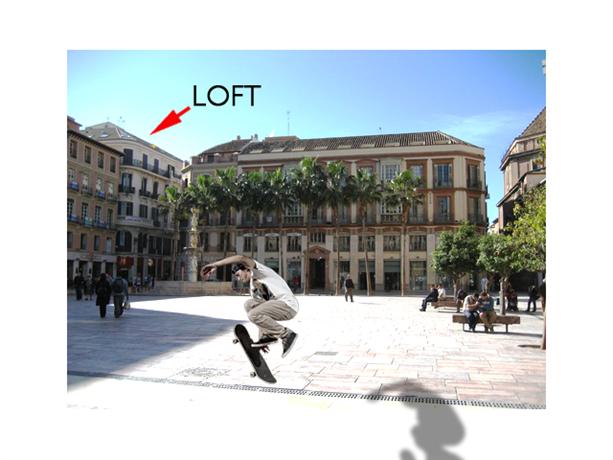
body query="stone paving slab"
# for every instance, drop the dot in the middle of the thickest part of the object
(375, 345)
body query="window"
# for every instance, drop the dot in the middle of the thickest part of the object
(70, 206)
(98, 214)
(210, 158)
(370, 243)
(249, 241)
(156, 165)
(272, 243)
(390, 172)
(84, 211)
(143, 211)
(83, 245)
(101, 160)
(155, 214)
(143, 184)
(98, 185)
(224, 236)
(88, 154)
(294, 243)
(442, 175)
(72, 177)
(388, 209)
(418, 171)
(124, 208)
(417, 242)
(145, 161)
(126, 180)
(344, 243)
(108, 247)
(113, 164)
(85, 181)
(155, 187)
(69, 240)
(110, 188)
(318, 237)
(391, 243)
(294, 209)
(96, 242)
(109, 217)
(472, 176)
(129, 209)
(72, 149)
(442, 209)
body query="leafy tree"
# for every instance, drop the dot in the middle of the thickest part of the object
(402, 191)
(308, 184)
(529, 228)
(456, 253)
(252, 192)
(224, 191)
(278, 197)
(365, 191)
(177, 205)
(498, 253)
(338, 194)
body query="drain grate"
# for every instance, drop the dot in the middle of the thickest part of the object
(326, 394)
(204, 372)
(326, 353)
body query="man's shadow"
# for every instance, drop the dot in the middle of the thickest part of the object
(438, 425)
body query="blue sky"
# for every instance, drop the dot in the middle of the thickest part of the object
(486, 98)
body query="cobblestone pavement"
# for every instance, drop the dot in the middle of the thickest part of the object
(375, 346)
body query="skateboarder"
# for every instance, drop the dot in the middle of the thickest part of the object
(272, 299)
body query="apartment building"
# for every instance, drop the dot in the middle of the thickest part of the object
(454, 190)
(93, 182)
(145, 236)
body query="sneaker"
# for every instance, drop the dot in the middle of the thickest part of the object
(288, 343)
(264, 341)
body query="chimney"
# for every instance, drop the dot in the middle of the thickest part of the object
(238, 138)
(255, 137)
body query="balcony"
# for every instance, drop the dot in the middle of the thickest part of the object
(391, 218)
(474, 184)
(100, 224)
(111, 197)
(85, 190)
(73, 185)
(417, 219)
(440, 183)
(477, 219)
(293, 220)
(157, 223)
(74, 219)
(87, 221)
(125, 189)
(144, 193)
(100, 194)
(442, 219)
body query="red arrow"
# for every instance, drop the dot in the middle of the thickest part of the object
(173, 118)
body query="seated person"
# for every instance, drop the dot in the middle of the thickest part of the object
(471, 310)
(432, 297)
(486, 311)
(511, 297)
(441, 292)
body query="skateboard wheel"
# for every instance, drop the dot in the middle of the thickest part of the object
(253, 374)
(235, 341)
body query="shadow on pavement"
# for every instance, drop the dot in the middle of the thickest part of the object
(438, 425)
(107, 345)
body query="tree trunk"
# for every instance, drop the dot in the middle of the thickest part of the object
(503, 283)
(307, 260)
(225, 246)
(544, 341)
(280, 218)
(254, 240)
(403, 257)
(338, 253)
(175, 253)
(364, 242)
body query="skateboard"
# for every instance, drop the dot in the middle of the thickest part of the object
(260, 368)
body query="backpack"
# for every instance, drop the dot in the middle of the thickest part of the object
(117, 286)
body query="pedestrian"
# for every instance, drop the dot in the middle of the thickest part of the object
(103, 294)
(459, 299)
(511, 297)
(432, 297)
(78, 285)
(533, 294)
(152, 281)
(542, 293)
(272, 300)
(89, 287)
(484, 282)
(486, 311)
(121, 297)
(471, 310)
(348, 285)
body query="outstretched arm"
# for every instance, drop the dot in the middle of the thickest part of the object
(238, 259)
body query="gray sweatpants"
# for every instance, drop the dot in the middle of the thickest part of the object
(265, 314)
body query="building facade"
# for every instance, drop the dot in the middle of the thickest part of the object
(93, 183)
(454, 190)
(145, 239)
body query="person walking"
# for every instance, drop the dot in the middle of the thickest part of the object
(121, 298)
(89, 287)
(348, 286)
(459, 299)
(533, 296)
(78, 285)
(272, 299)
(103, 294)
(484, 282)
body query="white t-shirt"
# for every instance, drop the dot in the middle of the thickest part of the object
(277, 286)
(468, 300)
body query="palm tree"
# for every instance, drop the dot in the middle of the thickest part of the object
(366, 190)
(176, 204)
(337, 195)
(224, 190)
(402, 190)
(308, 184)
(277, 198)
(251, 191)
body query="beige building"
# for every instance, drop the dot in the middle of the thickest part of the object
(93, 182)
(454, 190)
(145, 240)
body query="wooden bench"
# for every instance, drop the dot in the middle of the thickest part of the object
(446, 302)
(500, 319)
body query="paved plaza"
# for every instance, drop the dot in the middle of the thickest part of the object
(374, 346)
